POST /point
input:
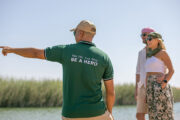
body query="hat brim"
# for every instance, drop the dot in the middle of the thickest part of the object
(73, 29)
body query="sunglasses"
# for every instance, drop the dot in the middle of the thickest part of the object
(143, 35)
(149, 39)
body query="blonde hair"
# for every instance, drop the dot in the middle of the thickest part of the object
(161, 44)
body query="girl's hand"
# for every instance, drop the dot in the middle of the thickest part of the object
(160, 78)
(163, 85)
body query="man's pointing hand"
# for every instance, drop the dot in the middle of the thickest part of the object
(5, 50)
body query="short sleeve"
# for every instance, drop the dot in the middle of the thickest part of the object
(109, 72)
(55, 53)
(138, 65)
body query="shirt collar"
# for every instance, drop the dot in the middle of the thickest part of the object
(86, 42)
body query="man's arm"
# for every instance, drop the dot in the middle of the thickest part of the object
(25, 52)
(137, 80)
(137, 76)
(110, 94)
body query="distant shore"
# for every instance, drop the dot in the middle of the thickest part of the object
(48, 93)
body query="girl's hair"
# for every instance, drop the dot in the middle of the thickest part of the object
(161, 44)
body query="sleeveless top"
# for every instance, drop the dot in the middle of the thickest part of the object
(154, 64)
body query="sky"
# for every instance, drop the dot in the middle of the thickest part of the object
(44, 23)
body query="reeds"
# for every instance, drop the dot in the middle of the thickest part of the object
(48, 93)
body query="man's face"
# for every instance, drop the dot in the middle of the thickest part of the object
(144, 37)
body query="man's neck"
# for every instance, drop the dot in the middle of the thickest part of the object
(85, 40)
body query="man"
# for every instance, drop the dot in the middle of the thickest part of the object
(140, 91)
(84, 66)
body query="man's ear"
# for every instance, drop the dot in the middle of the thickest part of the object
(81, 33)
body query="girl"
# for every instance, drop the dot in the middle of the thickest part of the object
(159, 93)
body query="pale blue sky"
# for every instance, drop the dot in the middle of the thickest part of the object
(43, 23)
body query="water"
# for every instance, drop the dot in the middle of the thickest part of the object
(119, 113)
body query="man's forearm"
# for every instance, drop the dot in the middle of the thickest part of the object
(25, 52)
(137, 80)
(110, 94)
(110, 99)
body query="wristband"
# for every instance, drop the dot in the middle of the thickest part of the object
(165, 81)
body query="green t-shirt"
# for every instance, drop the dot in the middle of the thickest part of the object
(84, 66)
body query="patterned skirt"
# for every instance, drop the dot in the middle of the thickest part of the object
(160, 101)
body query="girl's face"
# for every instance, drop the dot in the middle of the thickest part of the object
(152, 42)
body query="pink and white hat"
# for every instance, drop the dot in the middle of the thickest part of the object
(147, 30)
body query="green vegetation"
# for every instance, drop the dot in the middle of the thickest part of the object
(30, 93)
(48, 93)
(176, 93)
(125, 94)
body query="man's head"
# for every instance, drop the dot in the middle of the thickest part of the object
(85, 31)
(145, 32)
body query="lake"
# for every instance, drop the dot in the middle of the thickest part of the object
(119, 113)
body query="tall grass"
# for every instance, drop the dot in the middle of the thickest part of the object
(21, 93)
(176, 93)
(125, 94)
(48, 93)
